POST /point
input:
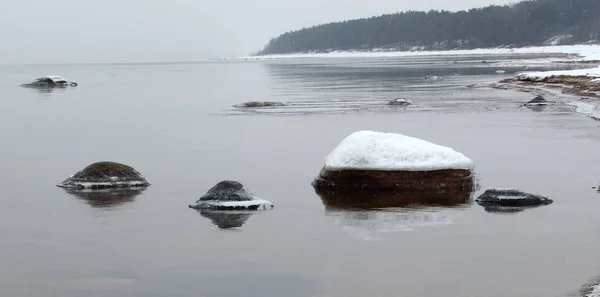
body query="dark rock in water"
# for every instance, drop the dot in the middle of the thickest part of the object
(538, 100)
(227, 219)
(105, 175)
(252, 104)
(227, 191)
(230, 195)
(511, 197)
(400, 102)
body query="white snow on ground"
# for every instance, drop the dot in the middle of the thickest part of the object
(208, 204)
(587, 109)
(595, 292)
(368, 150)
(541, 75)
(586, 52)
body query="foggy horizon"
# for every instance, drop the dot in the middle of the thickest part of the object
(68, 31)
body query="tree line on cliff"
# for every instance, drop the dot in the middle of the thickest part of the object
(532, 22)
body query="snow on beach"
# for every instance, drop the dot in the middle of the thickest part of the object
(540, 76)
(586, 109)
(368, 150)
(585, 53)
(595, 292)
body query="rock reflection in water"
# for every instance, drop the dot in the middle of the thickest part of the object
(537, 108)
(492, 208)
(365, 214)
(227, 219)
(106, 198)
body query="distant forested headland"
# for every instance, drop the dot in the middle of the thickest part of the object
(534, 22)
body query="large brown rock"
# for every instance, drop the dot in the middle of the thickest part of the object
(389, 162)
(458, 180)
(365, 199)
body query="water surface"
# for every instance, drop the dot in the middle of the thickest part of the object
(175, 124)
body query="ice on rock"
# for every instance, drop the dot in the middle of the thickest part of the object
(369, 150)
(231, 195)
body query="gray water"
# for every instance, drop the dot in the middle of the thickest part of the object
(176, 125)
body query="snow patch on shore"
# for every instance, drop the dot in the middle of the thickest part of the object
(542, 75)
(584, 51)
(586, 109)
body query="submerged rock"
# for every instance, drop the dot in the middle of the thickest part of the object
(538, 100)
(231, 195)
(374, 161)
(105, 175)
(511, 198)
(400, 102)
(252, 104)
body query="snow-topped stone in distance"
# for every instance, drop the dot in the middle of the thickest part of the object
(400, 102)
(369, 150)
(537, 101)
(105, 175)
(511, 197)
(369, 160)
(231, 195)
(257, 104)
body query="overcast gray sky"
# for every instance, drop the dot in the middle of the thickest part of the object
(63, 31)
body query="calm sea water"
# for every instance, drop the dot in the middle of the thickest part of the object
(175, 124)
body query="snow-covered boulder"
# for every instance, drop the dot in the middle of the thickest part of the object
(537, 101)
(386, 161)
(400, 102)
(511, 198)
(105, 175)
(231, 195)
